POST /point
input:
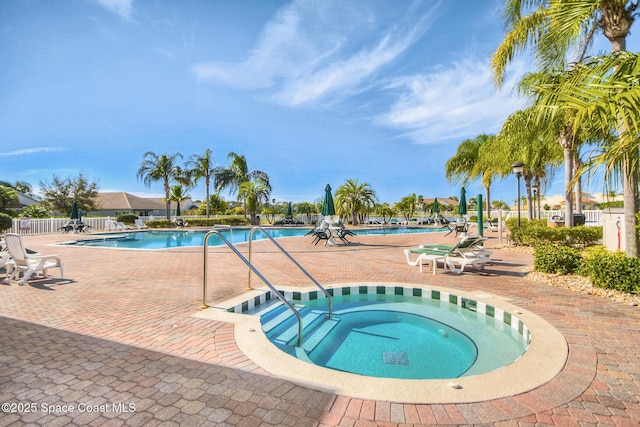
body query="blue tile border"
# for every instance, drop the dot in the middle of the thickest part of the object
(482, 309)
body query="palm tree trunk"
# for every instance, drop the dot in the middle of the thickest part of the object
(167, 199)
(615, 26)
(487, 189)
(208, 198)
(630, 197)
(567, 145)
(527, 186)
(577, 189)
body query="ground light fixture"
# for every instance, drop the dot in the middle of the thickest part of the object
(518, 167)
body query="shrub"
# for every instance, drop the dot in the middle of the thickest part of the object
(128, 219)
(581, 237)
(5, 222)
(557, 259)
(35, 211)
(158, 223)
(611, 270)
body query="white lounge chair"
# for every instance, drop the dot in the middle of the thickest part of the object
(424, 258)
(139, 224)
(467, 252)
(116, 225)
(28, 263)
(463, 260)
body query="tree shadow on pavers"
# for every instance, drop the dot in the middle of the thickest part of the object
(54, 375)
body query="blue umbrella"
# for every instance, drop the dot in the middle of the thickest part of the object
(328, 209)
(462, 207)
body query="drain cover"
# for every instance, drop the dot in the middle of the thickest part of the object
(395, 358)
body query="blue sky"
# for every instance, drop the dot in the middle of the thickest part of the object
(311, 92)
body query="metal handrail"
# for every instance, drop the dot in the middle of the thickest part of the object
(225, 226)
(284, 251)
(251, 267)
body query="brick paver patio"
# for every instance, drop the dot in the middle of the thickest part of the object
(115, 343)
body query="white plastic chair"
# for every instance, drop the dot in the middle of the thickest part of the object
(29, 263)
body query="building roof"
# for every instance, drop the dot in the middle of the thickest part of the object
(441, 200)
(122, 200)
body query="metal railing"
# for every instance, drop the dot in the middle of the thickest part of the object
(252, 268)
(226, 227)
(284, 251)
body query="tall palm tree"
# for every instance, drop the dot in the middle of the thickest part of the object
(473, 160)
(353, 198)
(199, 167)
(163, 168)
(554, 27)
(254, 192)
(238, 172)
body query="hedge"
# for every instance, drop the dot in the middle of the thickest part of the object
(536, 235)
(611, 270)
(605, 269)
(556, 259)
(199, 222)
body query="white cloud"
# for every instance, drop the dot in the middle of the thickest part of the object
(460, 101)
(29, 151)
(122, 8)
(308, 53)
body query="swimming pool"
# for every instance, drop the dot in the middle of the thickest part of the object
(544, 358)
(164, 239)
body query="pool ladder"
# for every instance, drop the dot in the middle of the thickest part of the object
(253, 269)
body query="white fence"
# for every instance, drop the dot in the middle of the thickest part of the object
(54, 225)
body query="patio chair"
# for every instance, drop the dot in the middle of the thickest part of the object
(29, 263)
(321, 233)
(68, 227)
(460, 226)
(494, 224)
(342, 233)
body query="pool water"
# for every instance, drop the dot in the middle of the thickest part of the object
(395, 344)
(153, 239)
(391, 336)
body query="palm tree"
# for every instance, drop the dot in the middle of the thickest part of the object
(353, 198)
(237, 173)
(532, 142)
(8, 198)
(473, 160)
(202, 167)
(178, 194)
(254, 192)
(554, 27)
(386, 212)
(163, 168)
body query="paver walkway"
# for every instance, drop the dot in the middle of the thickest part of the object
(116, 343)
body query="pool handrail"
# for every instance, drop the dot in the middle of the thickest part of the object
(251, 267)
(284, 251)
(227, 227)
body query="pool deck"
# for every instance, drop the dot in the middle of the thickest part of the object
(121, 329)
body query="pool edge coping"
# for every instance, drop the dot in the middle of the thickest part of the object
(544, 359)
